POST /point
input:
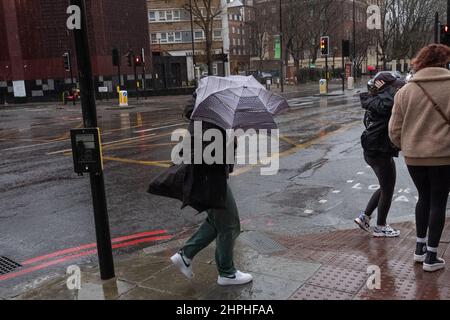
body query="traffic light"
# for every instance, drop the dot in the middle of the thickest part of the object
(325, 45)
(66, 60)
(115, 57)
(138, 60)
(224, 57)
(130, 58)
(445, 35)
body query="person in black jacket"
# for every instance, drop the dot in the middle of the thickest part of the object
(206, 189)
(379, 152)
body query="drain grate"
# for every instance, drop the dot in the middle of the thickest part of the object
(261, 242)
(8, 265)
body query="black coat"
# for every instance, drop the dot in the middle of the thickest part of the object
(375, 139)
(200, 186)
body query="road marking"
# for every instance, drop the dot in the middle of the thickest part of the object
(90, 246)
(307, 211)
(323, 201)
(164, 127)
(105, 144)
(360, 173)
(401, 199)
(162, 164)
(83, 254)
(298, 147)
(336, 191)
(350, 181)
(357, 186)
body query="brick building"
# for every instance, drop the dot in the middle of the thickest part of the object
(240, 13)
(34, 36)
(169, 22)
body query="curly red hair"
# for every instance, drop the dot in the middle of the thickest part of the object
(433, 55)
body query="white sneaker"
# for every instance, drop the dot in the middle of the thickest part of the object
(237, 279)
(183, 264)
(385, 232)
(363, 222)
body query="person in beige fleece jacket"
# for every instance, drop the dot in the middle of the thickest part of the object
(420, 127)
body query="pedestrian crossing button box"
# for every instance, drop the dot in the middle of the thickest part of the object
(86, 150)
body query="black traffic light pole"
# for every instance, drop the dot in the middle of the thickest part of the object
(281, 48)
(104, 247)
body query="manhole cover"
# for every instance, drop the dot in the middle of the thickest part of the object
(261, 242)
(7, 265)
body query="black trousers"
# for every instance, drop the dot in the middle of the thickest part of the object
(385, 171)
(433, 185)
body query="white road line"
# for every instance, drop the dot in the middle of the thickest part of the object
(105, 144)
(42, 144)
(164, 127)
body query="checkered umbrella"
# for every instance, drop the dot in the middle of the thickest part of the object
(237, 102)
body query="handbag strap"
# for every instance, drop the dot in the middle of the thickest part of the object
(435, 105)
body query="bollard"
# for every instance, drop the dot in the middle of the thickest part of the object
(123, 99)
(351, 83)
(323, 86)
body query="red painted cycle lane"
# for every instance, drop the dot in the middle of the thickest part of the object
(79, 252)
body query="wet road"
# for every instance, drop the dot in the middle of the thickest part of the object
(45, 207)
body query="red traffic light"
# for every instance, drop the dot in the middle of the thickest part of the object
(325, 45)
(138, 60)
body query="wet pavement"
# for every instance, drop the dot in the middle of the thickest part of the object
(324, 266)
(46, 221)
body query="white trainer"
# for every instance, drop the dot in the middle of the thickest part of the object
(237, 279)
(183, 264)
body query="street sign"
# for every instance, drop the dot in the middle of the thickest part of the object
(102, 89)
(277, 49)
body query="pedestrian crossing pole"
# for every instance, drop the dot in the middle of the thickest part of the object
(88, 106)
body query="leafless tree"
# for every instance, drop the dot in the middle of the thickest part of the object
(204, 13)
(295, 36)
(259, 32)
(407, 25)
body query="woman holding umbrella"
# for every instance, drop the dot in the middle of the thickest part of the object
(221, 103)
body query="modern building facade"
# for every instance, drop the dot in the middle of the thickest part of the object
(34, 36)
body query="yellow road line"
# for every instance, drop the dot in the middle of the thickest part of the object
(141, 145)
(162, 164)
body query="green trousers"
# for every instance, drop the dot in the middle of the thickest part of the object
(222, 225)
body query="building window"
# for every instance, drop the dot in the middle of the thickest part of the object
(176, 15)
(151, 16)
(234, 41)
(154, 38)
(215, 69)
(239, 42)
(163, 37)
(169, 16)
(161, 16)
(243, 42)
(177, 36)
(238, 30)
(198, 35)
(217, 34)
(233, 30)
